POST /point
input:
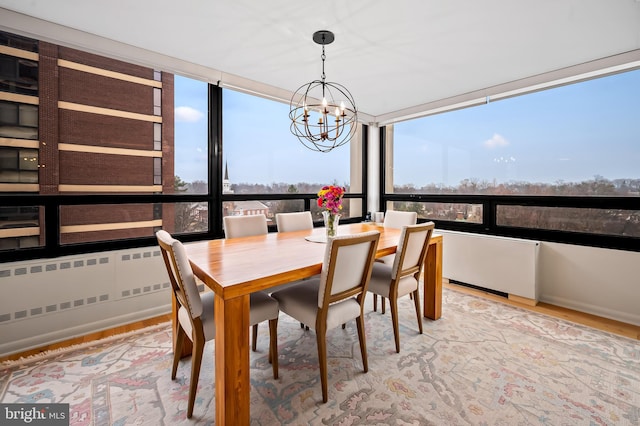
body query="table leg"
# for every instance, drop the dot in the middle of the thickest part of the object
(433, 281)
(232, 361)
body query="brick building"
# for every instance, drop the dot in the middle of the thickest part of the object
(72, 122)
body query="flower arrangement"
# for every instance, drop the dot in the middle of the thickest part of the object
(330, 198)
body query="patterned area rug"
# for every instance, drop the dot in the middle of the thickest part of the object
(482, 363)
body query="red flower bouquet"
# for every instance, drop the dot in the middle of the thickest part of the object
(330, 198)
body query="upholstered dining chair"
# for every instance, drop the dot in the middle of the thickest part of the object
(289, 222)
(247, 226)
(296, 221)
(396, 219)
(403, 277)
(195, 318)
(337, 296)
(393, 219)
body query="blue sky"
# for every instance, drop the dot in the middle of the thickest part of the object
(259, 146)
(569, 134)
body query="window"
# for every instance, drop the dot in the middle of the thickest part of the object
(90, 223)
(18, 121)
(18, 165)
(157, 136)
(157, 101)
(18, 42)
(451, 212)
(157, 171)
(262, 157)
(19, 227)
(191, 156)
(571, 145)
(18, 75)
(580, 139)
(620, 222)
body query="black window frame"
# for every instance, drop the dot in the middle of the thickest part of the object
(214, 198)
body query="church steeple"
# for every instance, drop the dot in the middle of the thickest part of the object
(226, 183)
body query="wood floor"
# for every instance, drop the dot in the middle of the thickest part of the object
(604, 324)
(611, 326)
(91, 337)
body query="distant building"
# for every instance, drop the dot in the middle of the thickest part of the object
(241, 208)
(244, 208)
(72, 122)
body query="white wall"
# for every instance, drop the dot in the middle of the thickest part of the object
(598, 281)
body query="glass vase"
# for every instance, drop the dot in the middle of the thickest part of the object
(331, 221)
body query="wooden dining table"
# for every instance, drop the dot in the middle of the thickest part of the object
(235, 268)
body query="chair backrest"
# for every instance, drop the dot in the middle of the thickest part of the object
(297, 221)
(412, 250)
(180, 273)
(245, 226)
(398, 219)
(347, 266)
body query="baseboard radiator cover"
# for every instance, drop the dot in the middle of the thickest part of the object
(50, 300)
(500, 264)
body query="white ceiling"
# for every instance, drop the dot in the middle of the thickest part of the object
(396, 57)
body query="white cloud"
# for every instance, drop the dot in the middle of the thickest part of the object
(496, 141)
(188, 114)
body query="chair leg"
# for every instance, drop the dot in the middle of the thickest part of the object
(178, 340)
(254, 341)
(273, 346)
(393, 303)
(416, 301)
(363, 342)
(196, 362)
(321, 337)
(384, 303)
(375, 303)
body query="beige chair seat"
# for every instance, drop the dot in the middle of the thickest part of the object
(301, 301)
(263, 308)
(380, 277)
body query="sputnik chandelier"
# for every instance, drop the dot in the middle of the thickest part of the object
(323, 114)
